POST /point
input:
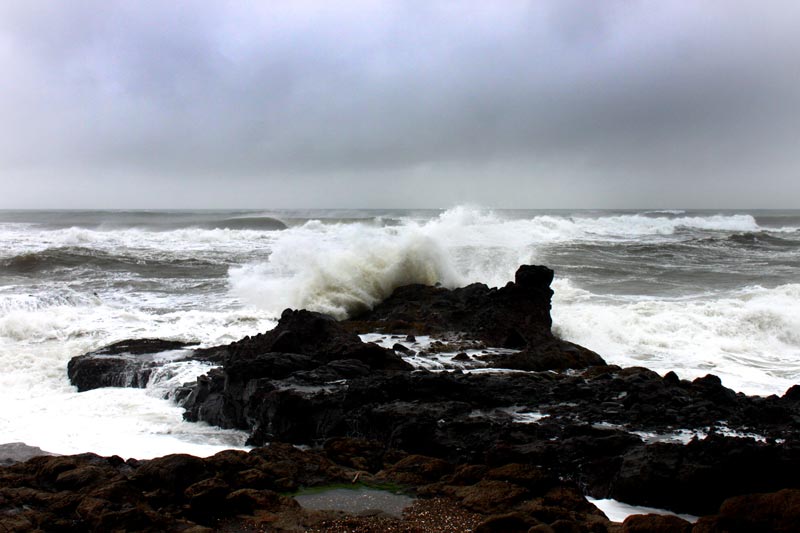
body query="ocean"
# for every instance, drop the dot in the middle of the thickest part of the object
(696, 292)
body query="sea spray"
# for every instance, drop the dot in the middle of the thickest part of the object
(341, 270)
(749, 337)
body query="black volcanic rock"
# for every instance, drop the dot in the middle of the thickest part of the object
(318, 336)
(778, 512)
(126, 363)
(248, 392)
(14, 452)
(553, 354)
(513, 316)
(695, 478)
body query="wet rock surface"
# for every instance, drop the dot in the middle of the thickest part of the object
(252, 491)
(514, 316)
(15, 452)
(504, 445)
(127, 363)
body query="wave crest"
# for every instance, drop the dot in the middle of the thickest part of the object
(341, 277)
(342, 269)
(749, 337)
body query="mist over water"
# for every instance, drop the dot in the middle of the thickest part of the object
(695, 292)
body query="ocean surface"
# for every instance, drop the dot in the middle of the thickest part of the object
(696, 292)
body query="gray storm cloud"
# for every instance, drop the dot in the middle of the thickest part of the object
(526, 104)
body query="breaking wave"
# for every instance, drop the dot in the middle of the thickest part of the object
(761, 239)
(341, 276)
(251, 223)
(749, 337)
(37, 302)
(72, 258)
(342, 269)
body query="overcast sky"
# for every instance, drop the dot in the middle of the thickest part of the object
(547, 103)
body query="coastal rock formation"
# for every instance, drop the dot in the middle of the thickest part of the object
(626, 433)
(514, 316)
(247, 491)
(314, 335)
(126, 363)
(253, 491)
(15, 452)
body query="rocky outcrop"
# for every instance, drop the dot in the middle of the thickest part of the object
(126, 363)
(264, 379)
(613, 432)
(247, 491)
(318, 337)
(596, 428)
(14, 452)
(778, 512)
(252, 491)
(514, 316)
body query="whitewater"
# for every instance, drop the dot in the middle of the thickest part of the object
(696, 292)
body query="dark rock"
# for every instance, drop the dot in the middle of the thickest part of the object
(361, 454)
(551, 355)
(505, 523)
(491, 496)
(792, 394)
(697, 477)
(312, 334)
(14, 452)
(243, 394)
(777, 511)
(513, 316)
(531, 477)
(80, 477)
(245, 501)
(566, 526)
(126, 363)
(89, 372)
(289, 468)
(172, 473)
(417, 470)
(208, 498)
(655, 523)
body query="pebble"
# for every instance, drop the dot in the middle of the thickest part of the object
(423, 516)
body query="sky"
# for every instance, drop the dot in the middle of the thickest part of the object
(523, 104)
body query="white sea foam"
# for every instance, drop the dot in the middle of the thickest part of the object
(750, 337)
(32, 302)
(341, 269)
(437, 355)
(41, 407)
(635, 226)
(617, 511)
(666, 212)
(147, 245)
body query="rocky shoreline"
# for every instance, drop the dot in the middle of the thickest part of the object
(492, 418)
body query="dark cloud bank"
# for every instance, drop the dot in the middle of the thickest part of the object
(513, 104)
